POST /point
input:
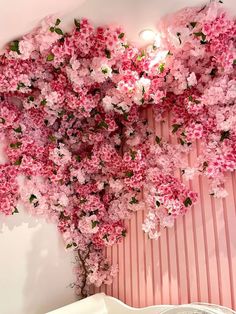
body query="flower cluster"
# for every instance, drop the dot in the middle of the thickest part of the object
(79, 149)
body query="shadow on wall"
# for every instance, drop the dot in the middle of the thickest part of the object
(36, 271)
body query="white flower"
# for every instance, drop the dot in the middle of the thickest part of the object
(63, 200)
(154, 235)
(75, 64)
(106, 70)
(100, 185)
(192, 80)
(168, 221)
(26, 47)
(219, 192)
(189, 173)
(107, 103)
(61, 155)
(142, 87)
(116, 185)
(124, 106)
(80, 176)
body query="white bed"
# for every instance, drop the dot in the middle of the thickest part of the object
(103, 304)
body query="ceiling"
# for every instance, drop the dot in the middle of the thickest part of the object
(18, 17)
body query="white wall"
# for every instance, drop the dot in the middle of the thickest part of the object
(19, 16)
(35, 269)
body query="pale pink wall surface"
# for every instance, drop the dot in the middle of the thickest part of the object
(193, 261)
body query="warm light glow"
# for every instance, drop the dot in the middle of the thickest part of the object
(157, 42)
(147, 35)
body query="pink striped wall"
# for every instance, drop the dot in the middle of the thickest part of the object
(194, 261)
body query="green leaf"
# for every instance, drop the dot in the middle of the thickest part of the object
(108, 53)
(94, 223)
(18, 130)
(94, 112)
(158, 140)
(20, 85)
(69, 246)
(193, 24)
(224, 135)
(18, 161)
(116, 71)
(2, 120)
(104, 71)
(83, 200)
(158, 204)
(58, 31)
(125, 46)
(43, 102)
(125, 115)
(61, 114)
(30, 98)
(69, 117)
(133, 154)
(129, 174)
(188, 202)
(78, 158)
(77, 24)
(50, 57)
(162, 67)
(32, 197)
(16, 145)
(200, 34)
(213, 72)
(205, 165)
(16, 211)
(102, 124)
(121, 35)
(176, 127)
(52, 29)
(178, 35)
(14, 46)
(105, 237)
(234, 62)
(133, 200)
(62, 216)
(58, 21)
(140, 57)
(52, 138)
(123, 233)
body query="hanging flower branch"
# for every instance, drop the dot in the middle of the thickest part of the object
(75, 133)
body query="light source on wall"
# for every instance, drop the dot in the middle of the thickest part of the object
(150, 36)
(147, 35)
(153, 40)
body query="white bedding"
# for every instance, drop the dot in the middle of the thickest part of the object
(102, 304)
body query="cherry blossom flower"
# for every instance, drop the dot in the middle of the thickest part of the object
(75, 134)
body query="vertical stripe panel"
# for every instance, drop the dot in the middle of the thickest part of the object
(193, 261)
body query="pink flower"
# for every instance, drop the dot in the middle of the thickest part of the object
(79, 146)
(88, 224)
(192, 80)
